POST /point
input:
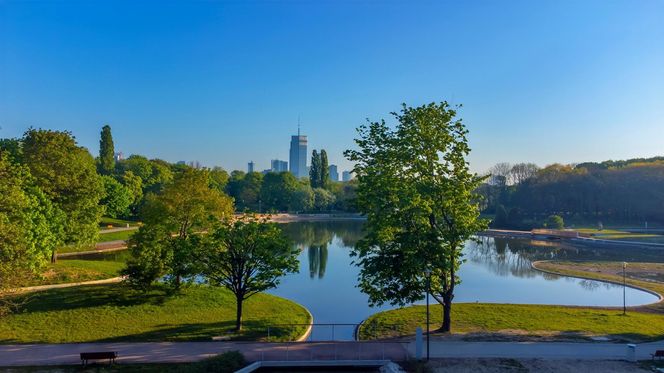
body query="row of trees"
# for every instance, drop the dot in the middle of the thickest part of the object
(282, 192)
(625, 192)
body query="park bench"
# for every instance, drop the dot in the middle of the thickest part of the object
(658, 354)
(110, 355)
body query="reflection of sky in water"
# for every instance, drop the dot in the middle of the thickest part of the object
(496, 271)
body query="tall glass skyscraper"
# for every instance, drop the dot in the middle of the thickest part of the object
(298, 155)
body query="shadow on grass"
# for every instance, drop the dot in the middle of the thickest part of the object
(90, 296)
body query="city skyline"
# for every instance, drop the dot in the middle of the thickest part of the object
(560, 82)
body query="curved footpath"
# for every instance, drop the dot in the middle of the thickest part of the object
(28, 289)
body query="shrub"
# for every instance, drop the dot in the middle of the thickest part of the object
(554, 222)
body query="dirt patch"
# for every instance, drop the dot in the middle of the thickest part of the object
(530, 365)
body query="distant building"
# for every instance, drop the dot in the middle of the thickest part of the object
(298, 155)
(118, 156)
(334, 174)
(278, 165)
(182, 163)
(250, 167)
(347, 176)
(195, 164)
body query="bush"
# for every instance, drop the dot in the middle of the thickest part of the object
(554, 222)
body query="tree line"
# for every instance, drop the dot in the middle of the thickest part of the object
(617, 192)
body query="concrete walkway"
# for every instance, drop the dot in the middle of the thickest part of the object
(536, 350)
(178, 352)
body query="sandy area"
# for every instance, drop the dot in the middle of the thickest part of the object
(530, 365)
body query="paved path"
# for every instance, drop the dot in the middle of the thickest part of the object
(27, 289)
(173, 352)
(536, 350)
(118, 229)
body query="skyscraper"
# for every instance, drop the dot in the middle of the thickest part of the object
(279, 165)
(347, 176)
(334, 174)
(298, 155)
(250, 167)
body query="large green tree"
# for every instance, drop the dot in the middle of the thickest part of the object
(247, 256)
(30, 227)
(314, 170)
(66, 173)
(277, 190)
(324, 173)
(106, 151)
(117, 198)
(165, 244)
(417, 192)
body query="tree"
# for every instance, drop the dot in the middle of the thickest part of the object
(302, 199)
(247, 257)
(106, 151)
(554, 222)
(165, 244)
(30, 228)
(314, 170)
(500, 221)
(417, 192)
(323, 199)
(218, 178)
(117, 198)
(277, 190)
(134, 185)
(324, 173)
(66, 173)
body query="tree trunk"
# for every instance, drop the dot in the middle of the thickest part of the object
(238, 314)
(447, 314)
(54, 256)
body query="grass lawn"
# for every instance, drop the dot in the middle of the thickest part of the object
(114, 236)
(118, 223)
(525, 319)
(612, 234)
(114, 312)
(65, 271)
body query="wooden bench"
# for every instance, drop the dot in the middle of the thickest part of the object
(110, 355)
(658, 354)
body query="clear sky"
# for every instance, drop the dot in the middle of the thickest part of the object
(224, 82)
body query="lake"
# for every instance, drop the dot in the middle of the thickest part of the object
(497, 270)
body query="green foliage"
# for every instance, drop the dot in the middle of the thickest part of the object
(67, 175)
(247, 257)
(324, 173)
(218, 179)
(134, 184)
(117, 198)
(277, 190)
(500, 221)
(106, 152)
(165, 244)
(245, 189)
(418, 194)
(30, 227)
(302, 199)
(314, 170)
(154, 174)
(323, 199)
(554, 222)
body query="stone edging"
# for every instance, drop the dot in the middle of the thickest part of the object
(307, 332)
(636, 287)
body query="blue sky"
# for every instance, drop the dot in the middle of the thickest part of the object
(224, 82)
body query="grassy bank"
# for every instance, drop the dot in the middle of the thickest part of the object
(116, 223)
(116, 313)
(65, 271)
(522, 320)
(115, 236)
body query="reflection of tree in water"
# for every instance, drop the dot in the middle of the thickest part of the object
(317, 260)
(497, 255)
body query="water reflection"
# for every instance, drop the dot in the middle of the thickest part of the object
(317, 260)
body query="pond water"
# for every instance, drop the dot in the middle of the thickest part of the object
(496, 270)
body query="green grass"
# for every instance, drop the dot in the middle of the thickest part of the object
(65, 271)
(526, 319)
(115, 236)
(119, 223)
(613, 234)
(117, 313)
